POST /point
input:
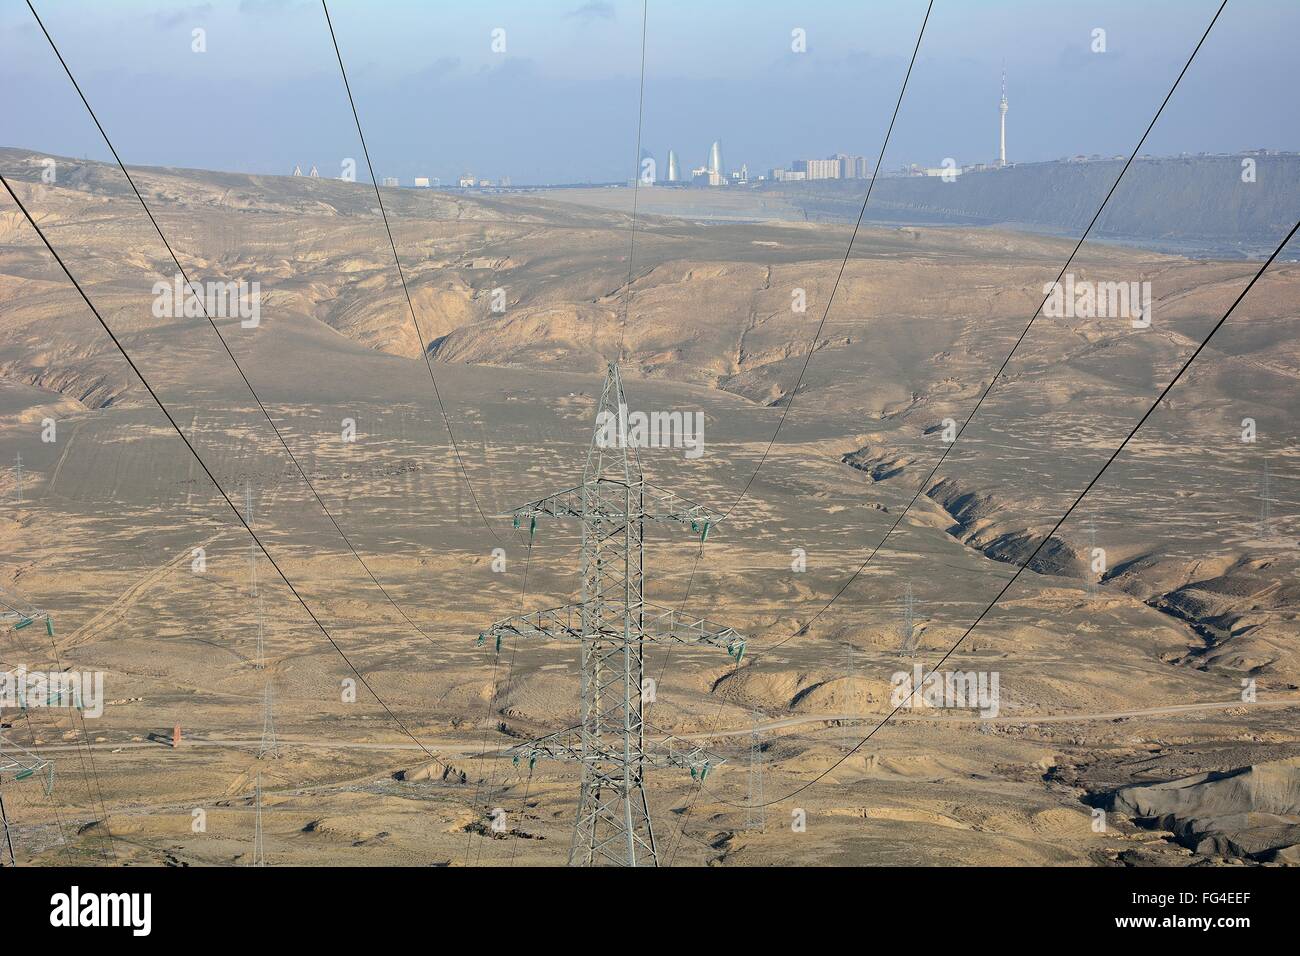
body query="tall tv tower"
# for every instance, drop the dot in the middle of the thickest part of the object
(1002, 109)
(612, 624)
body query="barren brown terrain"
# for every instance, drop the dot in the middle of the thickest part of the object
(1136, 691)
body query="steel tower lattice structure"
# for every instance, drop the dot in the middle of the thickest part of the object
(18, 763)
(612, 624)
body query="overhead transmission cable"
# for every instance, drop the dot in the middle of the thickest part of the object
(645, 9)
(812, 343)
(1046, 538)
(207, 471)
(925, 483)
(424, 349)
(804, 627)
(224, 344)
(699, 554)
(636, 184)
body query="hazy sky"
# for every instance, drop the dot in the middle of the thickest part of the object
(559, 105)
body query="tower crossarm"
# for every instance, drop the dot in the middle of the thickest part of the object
(17, 620)
(662, 751)
(16, 614)
(607, 498)
(664, 505)
(661, 625)
(670, 625)
(562, 623)
(17, 763)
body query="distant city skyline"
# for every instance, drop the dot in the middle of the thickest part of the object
(557, 104)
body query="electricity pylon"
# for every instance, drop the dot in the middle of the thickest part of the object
(755, 816)
(907, 626)
(1265, 504)
(259, 660)
(259, 849)
(17, 613)
(269, 747)
(612, 624)
(18, 763)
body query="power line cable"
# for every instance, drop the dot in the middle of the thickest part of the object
(446, 420)
(1046, 538)
(636, 183)
(202, 304)
(804, 628)
(635, 451)
(207, 471)
(994, 380)
(812, 343)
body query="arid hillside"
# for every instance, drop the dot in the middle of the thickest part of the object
(1155, 640)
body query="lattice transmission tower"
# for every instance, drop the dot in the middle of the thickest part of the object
(18, 763)
(755, 815)
(612, 624)
(1265, 503)
(908, 639)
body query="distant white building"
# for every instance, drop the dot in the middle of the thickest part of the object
(853, 167)
(818, 168)
(467, 181)
(391, 181)
(421, 182)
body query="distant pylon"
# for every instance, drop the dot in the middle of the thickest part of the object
(259, 851)
(755, 812)
(259, 655)
(612, 624)
(268, 748)
(850, 669)
(1265, 503)
(907, 626)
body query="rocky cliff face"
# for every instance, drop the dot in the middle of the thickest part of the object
(1250, 812)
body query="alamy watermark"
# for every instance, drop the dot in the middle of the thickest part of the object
(651, 430)
(1084, 299)
(962, 690)
(221, 300)
(26, 689)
